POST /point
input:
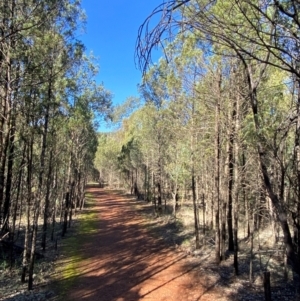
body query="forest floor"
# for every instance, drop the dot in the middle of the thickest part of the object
(118, 249)
(125, 254)
(121, 260)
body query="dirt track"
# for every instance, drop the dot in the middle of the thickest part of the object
(122, 262)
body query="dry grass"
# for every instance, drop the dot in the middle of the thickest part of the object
(11, 288)
(267, 255)
(179, 232)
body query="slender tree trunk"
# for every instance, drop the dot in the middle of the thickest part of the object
(71, 202)
(159, 197)
(223, 229)
(9, 173)
(39, 194)
(6, 99)
(217, 177)
(28, 208)
(196, 220)
(65, 223)
(235, 236)
(230, 180)
(297, 165)
(251, 251)
(67, 197)
(146, 183)
(280, 210)
(204, 217)
(33, 244)
(2, 180)
(159, 184)
(54, 212)
(236, 186)
(175, 198)
(15, 208)
(132, 184)
(83, 193)
(47, 201)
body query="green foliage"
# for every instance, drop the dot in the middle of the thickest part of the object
(50, 105)
(72, 247)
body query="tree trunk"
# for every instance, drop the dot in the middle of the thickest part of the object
(47, 201)
(5, 98)
(196, 220)
(237, 184)
(223, 230)
(15, 209)
(297, 165)
(232, 136)
(280, 210)
(33, 244)
(217, 177)
(66, 209)
(9, 174)
(28, 208)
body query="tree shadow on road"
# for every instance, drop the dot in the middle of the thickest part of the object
(122, 258)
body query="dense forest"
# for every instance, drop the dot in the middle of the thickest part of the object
(48, 135)
(216, 128)
(218, 123)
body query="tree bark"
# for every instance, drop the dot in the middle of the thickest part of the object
(28, 208)
(196, 220)
(232, 135)
(47, 201)
(217, 176)
(9, 174)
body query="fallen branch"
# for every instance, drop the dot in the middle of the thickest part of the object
(4, 236)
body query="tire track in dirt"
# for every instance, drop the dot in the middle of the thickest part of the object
(121, 261)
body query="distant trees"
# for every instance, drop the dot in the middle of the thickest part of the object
(48, 136)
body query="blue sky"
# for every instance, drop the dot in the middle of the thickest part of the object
(111, 33)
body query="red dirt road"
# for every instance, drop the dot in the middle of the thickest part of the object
(122, 262)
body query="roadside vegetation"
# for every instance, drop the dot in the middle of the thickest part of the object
(216, 132)
(49, 105)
